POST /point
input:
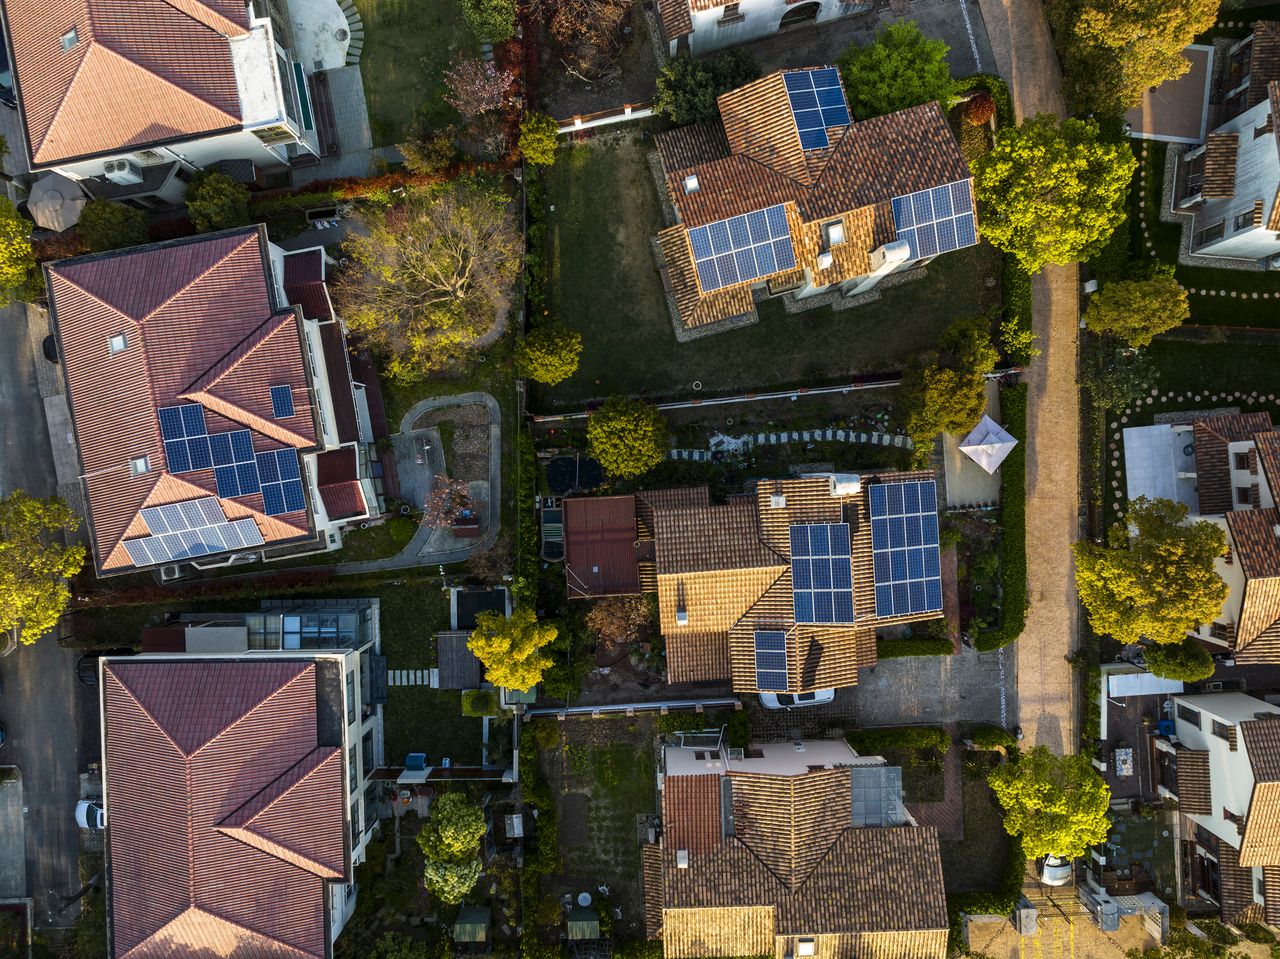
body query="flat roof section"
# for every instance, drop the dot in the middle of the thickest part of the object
(1177, 111)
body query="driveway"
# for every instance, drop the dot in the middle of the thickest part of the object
(1025, 57)
(26, 461)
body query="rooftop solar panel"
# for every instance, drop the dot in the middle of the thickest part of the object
(189, 530)
(771, 660)
(937, 220)
(281, 481)
(905, 551)
(281, 401)
(235, 469)
(817, 103)
(821, 573)
(742, 248)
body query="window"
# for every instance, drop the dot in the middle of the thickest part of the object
(805, 947)
(1210, 234)
(1221, 730)
(281, 401)
(139, 465)
(731, 15)
(1242, 461)
(118, 343)
(1244, 496)
(355, 824)
(353, 765)
(1189, 715)
(1242, 221)
(70, 39)
(351, 697)
(833, 233)
(1259, 888)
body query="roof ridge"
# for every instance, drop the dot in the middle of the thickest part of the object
(90, 46)
(183, 7)
(160, 476)
(249, 236)
(224, 407)
(256, 706)
(230, 360)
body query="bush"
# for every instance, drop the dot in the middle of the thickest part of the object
(1217, 932)
(1187, 661)
(996, 87)
(868, 742)
(974, 142)
(638, 949)
(989, 737)
(902, 68)
(628, 437)
(217, 202)
(979, 110)
(539, 136)
(686, 90)
(479, 702)
(1256, 932)
(524, 584)
(1016, 338)
(491, 21)
(913, 646)
(111, 226)
(550, 354)
(1013, 525)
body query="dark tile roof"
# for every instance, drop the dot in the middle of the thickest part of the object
(689, 146)
(304, 284)
(1264, 60)
(459, 668)
(1256, 547)
(1213, 466)
(1236, 882)
(1267, 449)
(1262, 746)
(218, 789)
(691, 813)
(1193, 781)
(600, 546)
(1220, 166)
(338, 372)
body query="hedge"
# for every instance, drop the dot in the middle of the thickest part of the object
(542, 854)
(1013, 525)
(737, 724)
(479, 702)
(989, 737)
(524, 585)
(1000, 901)
(926, 646)
(1016, 284)
(868, 742)
(999, 91)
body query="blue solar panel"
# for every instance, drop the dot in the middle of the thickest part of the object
(904, 543)
(817, 103)
(281, 401)
(193, 419)
(188, 530)
(821, 573)
(771, 660)
(281, 481)
(937, 220)
(171, 423)
(272, 499)
(742, 248)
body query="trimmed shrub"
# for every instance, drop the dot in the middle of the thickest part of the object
(524, 585)
(1013, 525)
(105, 225)
(868, 742)
(924, 646)
(979, 110)
(989, 737)
(999, 91)
(479, 702)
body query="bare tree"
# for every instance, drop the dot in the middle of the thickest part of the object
(476, 86)
(448, 500)
(590, 33)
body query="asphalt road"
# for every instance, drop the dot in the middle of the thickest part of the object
(50, 718)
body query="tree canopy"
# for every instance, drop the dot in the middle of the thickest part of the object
(1057, 804)
(1155, 578)
(476, 86)
(1113, 374)
(492, 21)
(1052, 192)
(1135, 311)
(549, 354)
(687, 89)
(16, 259)
(431, 277)
(217, 202)
(1188, 661)
(1115, 50)
(945, 393)
(901, 68)
(511, 648)
(450, 844)
(34, 565)
(539, 137)
(628, 437)
(396, 945)
(105, 225)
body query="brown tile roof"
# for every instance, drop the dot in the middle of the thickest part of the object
(1264, 60)
(651, 859)
(734, 185)
(699, 657)
(758, 123)
(217, 789)
(1213, 466)
(140, 73)
(693, 306)
(675, 18)
(1236, 882)
(1267, 450)
(1260, 845)
(1256, 548)
(691, 813)
(689, 146)
(1193, 781)
(201, 326)
(600, 546)
(338, 479)
(715, 537)
(1271, 881)
(1220, 166)
(1262, 746)
(790, 822)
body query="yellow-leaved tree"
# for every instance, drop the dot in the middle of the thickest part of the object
(511, 649)
(34, 564)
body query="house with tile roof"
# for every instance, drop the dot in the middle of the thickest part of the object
(782, 589)
(1226, 182)
(130, 98)
(227, 799)
(1222, 766)
(787, 196)
(790, 849)
(1222, 468)
(697, 27)
(212, 402)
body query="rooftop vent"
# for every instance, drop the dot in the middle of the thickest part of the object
(70, 39)
(777, 501)
(825, 260)
(682, 858)
(691, 183)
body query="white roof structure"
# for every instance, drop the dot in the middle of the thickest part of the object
(1120, 685)
(988, 444)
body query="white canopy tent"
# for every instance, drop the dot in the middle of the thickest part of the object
(988, 444)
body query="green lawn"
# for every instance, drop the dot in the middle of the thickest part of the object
(603, 282)
(418, 719)
(407, 46)
(1241, 310)
(376, 542)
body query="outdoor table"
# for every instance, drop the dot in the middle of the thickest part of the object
(1124, 762)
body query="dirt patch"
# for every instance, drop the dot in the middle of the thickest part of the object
(572, 810)
(632, 81)
(464, 433)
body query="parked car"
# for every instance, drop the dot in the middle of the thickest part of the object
(49, 346)
(89, 815)
(796, 700)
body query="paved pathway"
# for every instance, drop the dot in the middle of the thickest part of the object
(969, 687)
(424, 549)
(1025, 57)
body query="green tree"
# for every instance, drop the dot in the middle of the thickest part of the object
(1155, 578)
(1188, 661)
(628, 437)
(34, 565)
(1052, 192)
(17, 262)
(454, 830)
(396, 945)
(1057, 804)
(492, 21)
(511, 648)
(1115, 50)
(539, 137)
(1135, 311)
(686, 90)
(111, 226)
(430, 275)
(550, 354)
(946, 392)
(1114, 374)
(217, 202)
(902, 68)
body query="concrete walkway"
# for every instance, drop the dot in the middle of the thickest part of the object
(1025, 57)
(428, 546)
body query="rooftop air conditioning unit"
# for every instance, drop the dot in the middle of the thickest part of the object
(169, 572)
(846, 484)
(123, 172)
(825, 260)
(891, 254)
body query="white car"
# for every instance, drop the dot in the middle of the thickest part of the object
(795, 700)
(90, 815)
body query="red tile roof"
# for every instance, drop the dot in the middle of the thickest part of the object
(600, 546)
(226, 815)
(304, 284)
(339, 484)
(138, 73)
(1213, 434)
(201, 326)
(691, 813)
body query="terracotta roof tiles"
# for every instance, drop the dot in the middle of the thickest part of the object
(692, 818)
(600, 546)
(1264, 60)
(1213, 434)
(1220, 166)
(675, 18)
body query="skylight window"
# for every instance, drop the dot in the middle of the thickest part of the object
(118, 343)
(70, 39)
(139, 465)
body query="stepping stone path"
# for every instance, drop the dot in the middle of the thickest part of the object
(356, 25)
(413, 677)
(807, 436)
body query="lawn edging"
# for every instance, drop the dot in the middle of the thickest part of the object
(1013, 524)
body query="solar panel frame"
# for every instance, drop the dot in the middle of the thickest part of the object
(728, 251)
(937, 220)
(282, 402)
(906, 566)
(821, 574)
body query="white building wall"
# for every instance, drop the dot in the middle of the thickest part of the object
(1233, 576)
(760, 18)
(1257, 177)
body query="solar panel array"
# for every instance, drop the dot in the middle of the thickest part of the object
(904, 543)
(281, 401)
(771, 659)
(742, 248)
(281, 480)
(821, 573)
(188, 530)
(817, 102)
(936, 221)
(233, 466)
(186, 440)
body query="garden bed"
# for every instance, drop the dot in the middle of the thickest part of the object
(418, 719)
